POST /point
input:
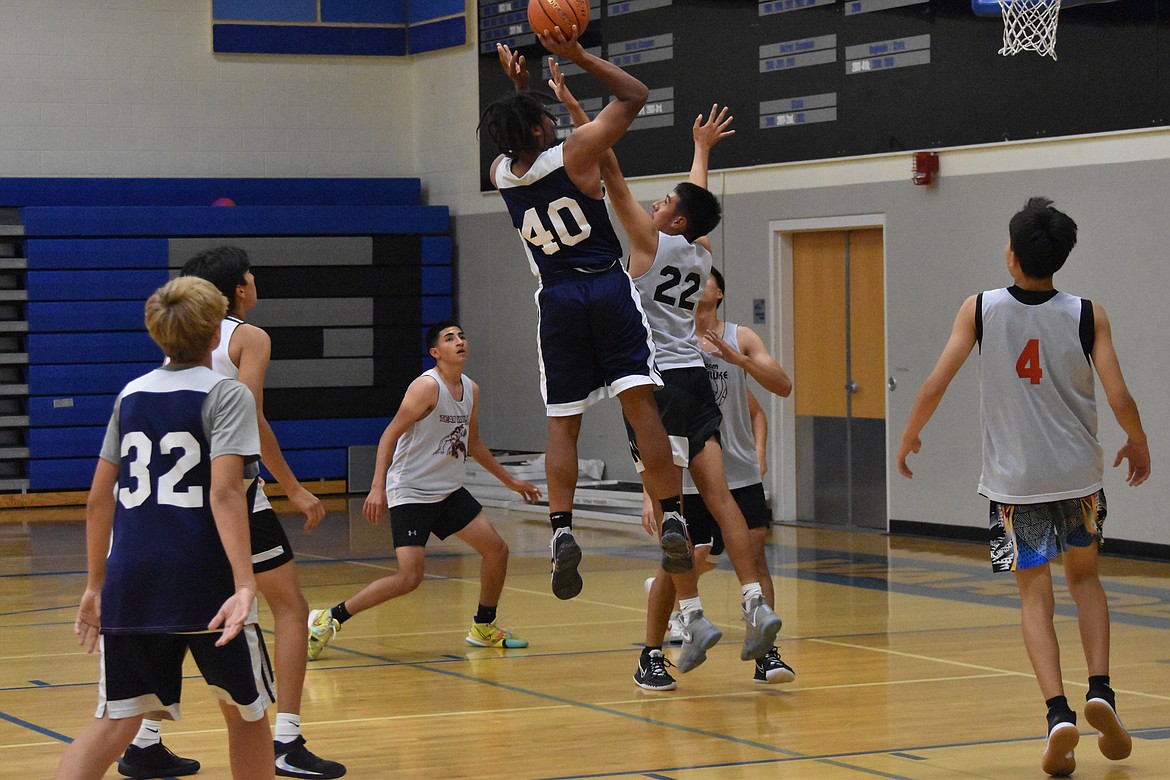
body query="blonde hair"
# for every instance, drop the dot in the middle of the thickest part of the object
(183, 316)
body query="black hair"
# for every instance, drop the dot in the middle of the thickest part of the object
(509, 121)
(718, 283)
(701, 209)
(432, 336)
(223, 266)
(1042, 237)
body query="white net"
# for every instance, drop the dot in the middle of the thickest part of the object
(1029, 25)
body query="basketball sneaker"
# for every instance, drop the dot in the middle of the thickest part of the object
(762, 627)
(674, 629)
(676, 548)
(770, 669)
(491, 635)
(293, 759)
(1063, 736)
(154, 761)
(699, 636)
(566, 556)
(1113, 740)
(322, 629)
(652, 674)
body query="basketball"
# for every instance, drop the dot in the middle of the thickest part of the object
(544, 15)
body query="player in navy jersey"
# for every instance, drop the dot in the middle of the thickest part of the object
(1042, 463)
(593, 339)
(169, 570)
(243, 353)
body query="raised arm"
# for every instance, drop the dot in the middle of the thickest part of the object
(417, 403)
(707, 133)
(1136, 449)
(514, 66)
(484, 457)
(584, 147)
(953, 356)
(255, 351)
(633, 218)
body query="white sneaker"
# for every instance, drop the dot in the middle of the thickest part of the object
(674, 629)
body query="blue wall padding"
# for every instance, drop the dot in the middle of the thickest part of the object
(265, 10)
(69, 380)
(315, 464)
(289, 39)
(433, 36)
(435, 308)
(436, 250)
(49, 317)
(299, 434)
(61, 474)
(45, 411)
(93, 285)
(437, 280)
(103, 253)
(201, 192)
(92, 348)
(65, 442)
(425, 10)
(359, 11)
(239, 221)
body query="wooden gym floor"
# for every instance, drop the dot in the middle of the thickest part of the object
(908, 654)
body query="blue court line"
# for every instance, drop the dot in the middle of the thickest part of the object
(34, 727)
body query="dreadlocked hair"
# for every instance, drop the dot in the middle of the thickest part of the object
(509, 121)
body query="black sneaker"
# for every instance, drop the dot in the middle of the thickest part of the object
(676, 548)
(652, 674)
(293, 759)
(770, 669)
(154, 761)
(566, 556)
(1058, 759)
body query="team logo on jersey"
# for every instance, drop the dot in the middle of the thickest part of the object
(718, 379)
(452, 444)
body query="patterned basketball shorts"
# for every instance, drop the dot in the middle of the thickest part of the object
(1027, 535)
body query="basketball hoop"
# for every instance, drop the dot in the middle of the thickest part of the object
(1028, 25)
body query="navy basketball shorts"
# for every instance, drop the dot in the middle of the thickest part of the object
(689, 414)
(142, 674)
(1028, 535)
(411, 525)
(592, 339)
(270, 545)
(704, 529)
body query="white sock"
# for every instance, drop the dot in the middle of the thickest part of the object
(149, 733)
(288, 727)
(687, 606)
(750, 591)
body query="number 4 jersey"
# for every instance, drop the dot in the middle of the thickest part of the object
(562, 228)
(167, 571)
(1038, 404)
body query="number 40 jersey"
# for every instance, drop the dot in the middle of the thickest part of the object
(562, 228)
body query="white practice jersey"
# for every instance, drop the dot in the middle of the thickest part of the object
(730, 384)
(429, 461)
(669, 290)
(1038, 404)
(221, 363)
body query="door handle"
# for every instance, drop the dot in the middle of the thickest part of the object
(892, 384)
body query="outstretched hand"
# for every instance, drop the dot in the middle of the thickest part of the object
(558, 44)
(714, 129)
(514, 65)
(1138, 456)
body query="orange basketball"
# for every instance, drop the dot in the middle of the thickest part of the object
(544, 15)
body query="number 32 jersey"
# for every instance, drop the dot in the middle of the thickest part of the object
(562, 228)
(1038, 404)
(167, 571)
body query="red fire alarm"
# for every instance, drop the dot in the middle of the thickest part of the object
(924, 167)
